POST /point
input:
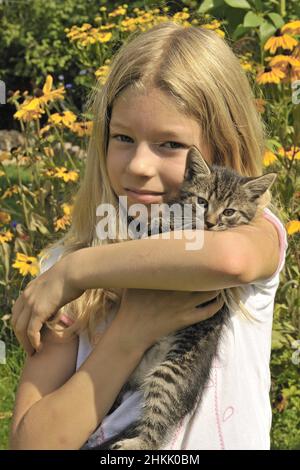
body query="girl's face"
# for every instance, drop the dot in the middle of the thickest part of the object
(148, 144)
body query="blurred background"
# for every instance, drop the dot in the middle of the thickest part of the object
(52, 54)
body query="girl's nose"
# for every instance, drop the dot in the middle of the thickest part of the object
(142, 162)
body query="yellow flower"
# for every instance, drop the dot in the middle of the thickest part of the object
(293, 27)
(289, 64)
(49, 152)
(10, 191)
(61, 223)
(215, 26)
(82, 128)
(269, 158)
(65, 174)
(51, 95)
(102, 73)
(5, 218)
(246, 66)
(292, 154)
(43, 130)
(86, 35)
(293, 227)
(181, 16)
(280, 39)
(2, 173)
(26, 265)
(48, 172)
(6, 236)
(270, 75)
(4, 155)
(67, 208)
(29, 110)
(118, 12)
(66, 118)
(103, 37)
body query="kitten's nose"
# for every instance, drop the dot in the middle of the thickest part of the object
(209, 224)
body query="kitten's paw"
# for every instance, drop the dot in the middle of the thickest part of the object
(130, 444)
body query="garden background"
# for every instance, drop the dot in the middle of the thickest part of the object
(52, 54)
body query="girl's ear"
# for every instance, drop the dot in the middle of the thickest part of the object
(257, 186)
(195, 165)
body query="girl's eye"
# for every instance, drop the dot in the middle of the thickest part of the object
(202, 201)
(120, 135)
(126, 137)
(228, 212)
(176, 143)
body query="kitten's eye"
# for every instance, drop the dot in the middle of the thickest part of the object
(228, 212)
(202, 201)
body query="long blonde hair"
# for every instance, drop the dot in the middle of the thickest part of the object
(198, 70)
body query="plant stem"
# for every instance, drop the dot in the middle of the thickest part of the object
(62, 144)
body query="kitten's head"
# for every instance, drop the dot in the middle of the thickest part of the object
(228, 198)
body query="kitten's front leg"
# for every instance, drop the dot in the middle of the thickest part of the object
(128, 439)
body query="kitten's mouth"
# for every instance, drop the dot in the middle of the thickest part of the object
(215, 228)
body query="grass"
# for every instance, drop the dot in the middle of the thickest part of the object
(9, 379)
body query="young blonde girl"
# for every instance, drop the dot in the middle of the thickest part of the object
(168, 79)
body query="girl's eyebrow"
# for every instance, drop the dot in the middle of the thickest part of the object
(166, 132)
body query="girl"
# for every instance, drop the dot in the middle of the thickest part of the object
(169, 88)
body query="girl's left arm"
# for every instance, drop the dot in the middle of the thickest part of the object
(258, 247)
(225, 259)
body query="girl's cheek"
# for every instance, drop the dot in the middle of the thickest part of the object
(174, 176)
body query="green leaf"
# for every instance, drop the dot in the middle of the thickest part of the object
(273, 144)
(278, 340)
(238, 4)
(251, 20)
(266, 30)
(239, 31)
(276, 19)
(258, 5)
(209, 4)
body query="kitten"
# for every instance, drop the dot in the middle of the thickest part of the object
(173, 372)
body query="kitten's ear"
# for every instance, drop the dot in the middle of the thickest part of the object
(257, 186)
(195, 164)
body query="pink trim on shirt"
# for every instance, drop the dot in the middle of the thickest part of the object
(281, 233)
(66, 320)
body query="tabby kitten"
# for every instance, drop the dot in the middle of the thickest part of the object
(173, 372)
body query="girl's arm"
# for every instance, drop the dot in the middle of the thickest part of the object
(58, 408)
(226, 259)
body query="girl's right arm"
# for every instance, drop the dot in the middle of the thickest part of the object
(58, 408)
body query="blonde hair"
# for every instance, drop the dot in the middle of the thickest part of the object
(196, 68)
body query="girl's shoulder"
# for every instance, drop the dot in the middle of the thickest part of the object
(283, 243)
(282, 235)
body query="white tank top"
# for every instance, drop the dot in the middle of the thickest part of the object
(235, 412)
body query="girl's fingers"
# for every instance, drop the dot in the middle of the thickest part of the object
(33, 331)
(203, 313)
(20, 330)
(209, 296)
(16, 310)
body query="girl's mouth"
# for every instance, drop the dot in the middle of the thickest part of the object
(144, 196)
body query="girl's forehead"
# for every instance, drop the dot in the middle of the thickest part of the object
(153, 96)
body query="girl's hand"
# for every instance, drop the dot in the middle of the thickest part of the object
(145, 316)
(40, 300)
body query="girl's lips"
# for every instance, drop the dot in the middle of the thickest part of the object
(144, 197)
